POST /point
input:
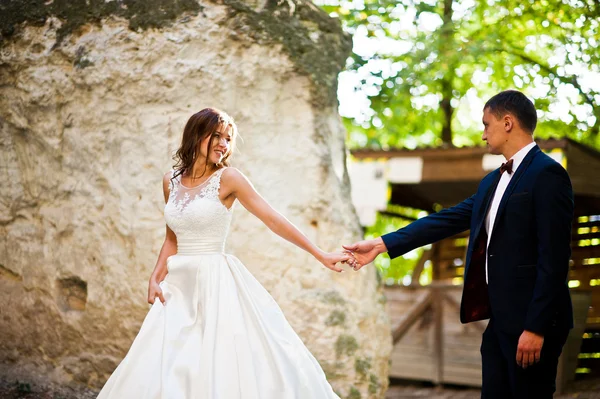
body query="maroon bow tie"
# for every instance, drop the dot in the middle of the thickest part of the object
(507, 167)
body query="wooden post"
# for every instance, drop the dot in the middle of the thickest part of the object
(435, 259)
(560, 380)
(414, 280)
(438, 355)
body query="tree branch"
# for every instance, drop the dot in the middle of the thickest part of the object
(564, 79)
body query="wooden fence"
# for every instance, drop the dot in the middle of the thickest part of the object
(430, 343)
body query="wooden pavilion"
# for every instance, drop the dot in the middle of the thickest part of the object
(429, 341)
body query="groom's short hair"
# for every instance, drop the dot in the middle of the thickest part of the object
(516, 103)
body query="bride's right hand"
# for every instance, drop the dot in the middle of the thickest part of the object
(331, 259)
(154, 291)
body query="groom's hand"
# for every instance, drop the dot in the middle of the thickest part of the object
(364, 252)
(529, 349)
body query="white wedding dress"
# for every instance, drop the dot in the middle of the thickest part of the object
(220, 335)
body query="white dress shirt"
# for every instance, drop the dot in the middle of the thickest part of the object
(502, 184)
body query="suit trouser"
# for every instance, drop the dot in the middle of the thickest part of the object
(503, 378)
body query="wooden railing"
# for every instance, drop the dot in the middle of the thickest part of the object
(431, 344)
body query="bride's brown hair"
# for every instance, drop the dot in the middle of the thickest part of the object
(200, 125)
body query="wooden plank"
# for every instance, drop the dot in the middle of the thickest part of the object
(433, 153)
(458, 353)
(470, 340)
(463, 373)
(402, 293)
(451, 251)
(575, 236)
(419, 268)
(449, 245)
(411, 351)
(403, 368)
(585, 274)
(419, 336)
(589, 251)
(403, 365)
(448, 153)
(568, 359)
(472, 378)
(435, 259)
(472, 359)
(462, 368)
(461, 169)
(438, 342)
(458, 368)
(560, 375)
(581, 261)
(410, 373)
(584, 169)
(455, 348)
(456, 306)
(420, 358)
(411, 316)
(411, 366)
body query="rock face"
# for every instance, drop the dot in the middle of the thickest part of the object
(92, 105)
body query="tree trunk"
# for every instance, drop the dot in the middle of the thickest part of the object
(446, 57)
(448, 112)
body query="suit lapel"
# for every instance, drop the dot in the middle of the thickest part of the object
(514, 181)
(485, 205)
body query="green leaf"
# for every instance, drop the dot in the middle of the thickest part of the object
(545, 49)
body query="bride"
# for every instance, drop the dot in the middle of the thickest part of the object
(215, 332)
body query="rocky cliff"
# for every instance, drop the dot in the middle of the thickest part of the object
(93, 99)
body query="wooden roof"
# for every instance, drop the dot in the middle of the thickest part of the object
(449, 175)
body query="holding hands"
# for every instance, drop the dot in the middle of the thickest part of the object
(355, 255)
(364, 252)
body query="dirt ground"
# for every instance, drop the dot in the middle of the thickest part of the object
(585, 389)
(25, 390)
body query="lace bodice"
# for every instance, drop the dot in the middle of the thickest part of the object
(197, 216)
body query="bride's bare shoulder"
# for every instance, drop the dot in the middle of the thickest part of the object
(233, 177)
(167, 177)
(167, 183)
(231, 173)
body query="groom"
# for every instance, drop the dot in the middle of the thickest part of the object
(518, 255)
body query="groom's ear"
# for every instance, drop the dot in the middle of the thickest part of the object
(509, 122)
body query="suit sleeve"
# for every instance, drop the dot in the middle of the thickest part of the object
(553, 207)
(430, 229)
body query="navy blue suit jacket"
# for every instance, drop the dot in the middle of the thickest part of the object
(528, 255)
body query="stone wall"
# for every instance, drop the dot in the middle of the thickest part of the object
(92, 105)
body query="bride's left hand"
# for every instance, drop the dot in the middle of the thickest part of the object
(331, 259)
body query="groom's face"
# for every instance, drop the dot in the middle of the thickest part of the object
(494, 132)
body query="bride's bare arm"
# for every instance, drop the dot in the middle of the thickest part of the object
(169, 248)
(234, 183)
